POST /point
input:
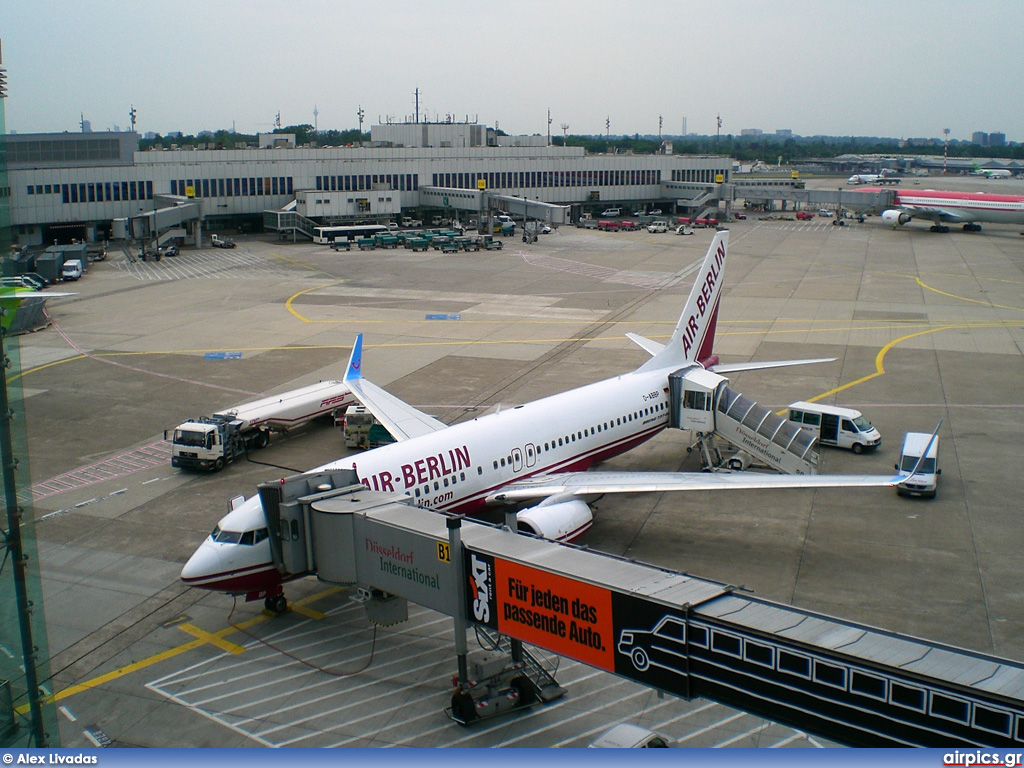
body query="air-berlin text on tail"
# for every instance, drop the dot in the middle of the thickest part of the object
(420, 472)
(704, 305)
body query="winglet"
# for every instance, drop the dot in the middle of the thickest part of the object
(355, 361)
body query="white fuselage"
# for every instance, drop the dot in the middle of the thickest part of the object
(456, 468)
(966, 208)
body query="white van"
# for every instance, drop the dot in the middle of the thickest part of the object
(72, 269)
(841, 427)
(925, 479)
(611, 212)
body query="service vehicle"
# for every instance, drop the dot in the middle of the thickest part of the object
(707, 221)
(628, 224)
(72, 269)
(362, 430)
(840, 427)
(922, 473)
(739, 216)
(608, 226)
(221, 242)
(657, 226)
(682, 229)
(211, 442)
(408, 222)
(804, 215)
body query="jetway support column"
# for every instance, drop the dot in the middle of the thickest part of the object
(455, 554)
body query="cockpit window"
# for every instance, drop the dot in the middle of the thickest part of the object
(246, 538)
(228, 537)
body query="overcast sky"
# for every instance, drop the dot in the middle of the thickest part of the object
(836, 67)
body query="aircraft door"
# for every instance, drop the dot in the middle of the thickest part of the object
(531, 454)
(517, 460)
(829, 429)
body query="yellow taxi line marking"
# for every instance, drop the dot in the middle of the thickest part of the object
(212, 639)
(202, 638)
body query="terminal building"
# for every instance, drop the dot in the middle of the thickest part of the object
(72, 186)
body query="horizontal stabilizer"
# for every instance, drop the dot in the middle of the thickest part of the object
(721, 368)
(650, 347)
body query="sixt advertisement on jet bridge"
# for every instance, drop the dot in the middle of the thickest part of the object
(625, 634)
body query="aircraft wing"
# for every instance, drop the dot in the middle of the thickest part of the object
(934, 214)
(398, 417)
(597, 483)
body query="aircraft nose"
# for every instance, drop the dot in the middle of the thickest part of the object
(204, 563)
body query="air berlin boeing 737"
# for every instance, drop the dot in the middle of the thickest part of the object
(534, 454)
(967, 208)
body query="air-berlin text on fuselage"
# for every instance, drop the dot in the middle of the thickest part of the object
(703, 299)
(419, 472)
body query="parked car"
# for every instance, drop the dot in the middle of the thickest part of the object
(612, 212)
(804, 215)
(654, 212)
(825, 213)
(629, 736)
(171, 250)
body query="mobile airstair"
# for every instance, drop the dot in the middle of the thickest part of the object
(703, 403)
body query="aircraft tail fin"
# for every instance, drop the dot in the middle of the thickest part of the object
(355, 361)
(693, 339)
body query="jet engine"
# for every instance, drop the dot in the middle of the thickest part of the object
(557, 519)
(895, 217)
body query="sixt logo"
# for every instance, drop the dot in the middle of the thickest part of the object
(481, 583)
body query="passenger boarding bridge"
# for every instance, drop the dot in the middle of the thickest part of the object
(699, 197)
(684, 635)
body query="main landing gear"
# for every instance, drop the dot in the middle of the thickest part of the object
(277, 602)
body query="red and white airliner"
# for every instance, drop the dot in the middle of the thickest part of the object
(535, 454)
(942, 207)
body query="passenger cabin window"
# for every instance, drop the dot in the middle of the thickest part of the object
(949, 708)
(905, 696)
(867, 685)
(794, 664)
(991, 720)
